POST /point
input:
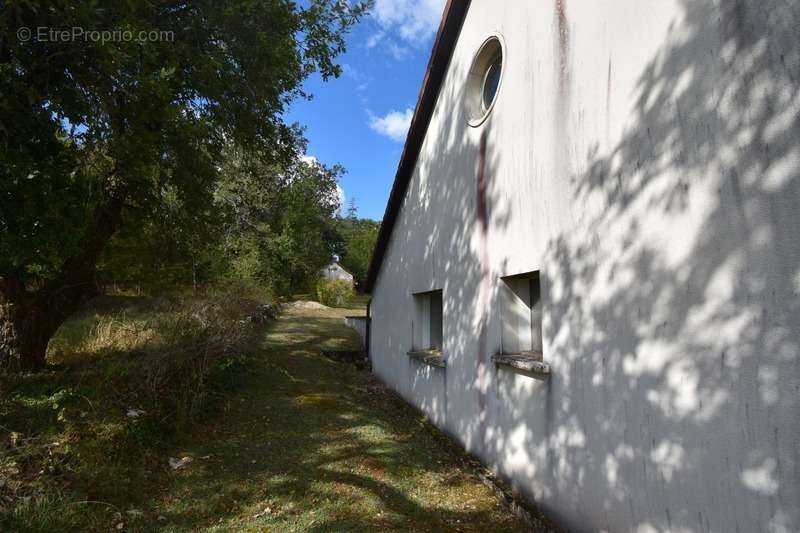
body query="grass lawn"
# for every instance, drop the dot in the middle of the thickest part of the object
(309, 444)
(298, 442)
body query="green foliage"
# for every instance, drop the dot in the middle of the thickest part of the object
(160, 252)
(334, 292)
(129, 134)
(357, 241)
(271, 224)
(278, 222)
(142, 123)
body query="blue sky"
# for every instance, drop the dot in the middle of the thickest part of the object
(360, 119)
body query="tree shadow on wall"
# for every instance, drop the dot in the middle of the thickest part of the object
(674, 313)
(672, 308)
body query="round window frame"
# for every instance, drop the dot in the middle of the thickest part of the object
(491, 48)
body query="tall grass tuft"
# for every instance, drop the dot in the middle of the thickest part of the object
(158, 357)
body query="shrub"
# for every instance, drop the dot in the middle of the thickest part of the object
(334, 293)
(160, 358)
(190, 343)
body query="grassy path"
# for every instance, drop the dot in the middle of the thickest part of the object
(309, 444)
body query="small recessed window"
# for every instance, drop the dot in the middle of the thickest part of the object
(426, 329)
(483, 82)
(427, 326)
(522, 315)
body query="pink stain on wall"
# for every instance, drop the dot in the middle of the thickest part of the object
(563, 42)
(485, 280)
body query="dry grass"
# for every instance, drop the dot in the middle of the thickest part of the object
(188, 344)
(116, 333)
(160, 354)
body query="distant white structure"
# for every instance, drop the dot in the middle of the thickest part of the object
(335, 271)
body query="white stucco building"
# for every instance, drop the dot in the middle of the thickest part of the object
(589, 269)
(336, 272)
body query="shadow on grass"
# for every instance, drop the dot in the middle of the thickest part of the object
(290, 440)
(313, 445)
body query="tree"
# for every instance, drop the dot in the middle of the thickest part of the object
(352, 210)
(166, 250)
(278, 220)
(356, 243)
(307, 226)
(94, 128)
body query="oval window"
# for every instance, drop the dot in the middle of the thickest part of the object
(483, 83)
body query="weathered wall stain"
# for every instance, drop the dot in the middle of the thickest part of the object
(562, 51)
(482, 216)
(608, 105)
(562, 98)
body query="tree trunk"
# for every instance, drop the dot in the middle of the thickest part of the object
(25, 330)
(28, 320)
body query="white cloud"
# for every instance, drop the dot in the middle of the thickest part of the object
(342, 198)
(393, 125)
(412, 20)
(374, 39)
(398, 52)
(409, 22)
(361, 80)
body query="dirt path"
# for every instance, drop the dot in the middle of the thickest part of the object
(309, 444)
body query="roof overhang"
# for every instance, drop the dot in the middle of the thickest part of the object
(446, 37)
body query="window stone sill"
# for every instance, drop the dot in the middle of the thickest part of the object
(428, 357)
(527, 362)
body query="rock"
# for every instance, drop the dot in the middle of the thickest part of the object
(306, 304)
(135, 413)
(177, 464)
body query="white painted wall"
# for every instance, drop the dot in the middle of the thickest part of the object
(358, 323)
(655, 182)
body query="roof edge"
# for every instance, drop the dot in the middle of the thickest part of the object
(343, 267)
(449, 30)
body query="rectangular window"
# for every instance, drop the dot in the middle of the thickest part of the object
(521, 308)
(427, 324)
